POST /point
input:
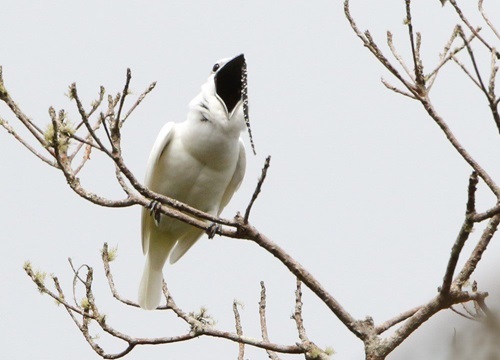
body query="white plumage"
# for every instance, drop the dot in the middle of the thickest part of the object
(200, 162)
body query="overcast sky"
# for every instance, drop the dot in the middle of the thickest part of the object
(363, 188)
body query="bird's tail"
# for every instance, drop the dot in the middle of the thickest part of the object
(150, 287)
(184, 244)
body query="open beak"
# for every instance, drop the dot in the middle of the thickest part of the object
(228, 82)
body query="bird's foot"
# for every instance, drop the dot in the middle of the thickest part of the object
(154, 210)
(213, 230)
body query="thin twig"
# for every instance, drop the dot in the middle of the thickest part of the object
(471, 192)
(125, 92)
(312, 351)
(76, 278)
(475, 257)
(419, 76)
(474, 63)
(297, 314)
(85, 120)
(462, 66)
(85, 158)
(424, 313)
(444, 57)
(458, 146)
(368, 42)
(123, 184)
(396, 320)
(395, 89)
(239, 330)
(471, 28)
(490, 315)
(257, 188)
(492, 80)
(463, 235)
(10, 130)
(397, 56)
(25, 120)
(487, 20)
(462, 314)
(95, 104)
(263, 322)
(492, 100)
(109, 276)
(87, 141)
(138, 101)
(487, 214)
(105, 125)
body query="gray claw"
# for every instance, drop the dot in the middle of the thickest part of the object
(154, 210)
(213, 230)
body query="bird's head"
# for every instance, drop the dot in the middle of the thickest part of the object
(223, 98)
(220, 100)
(228, 77)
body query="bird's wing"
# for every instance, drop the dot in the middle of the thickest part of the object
(185, 243)
(236, 180)
(162, 141)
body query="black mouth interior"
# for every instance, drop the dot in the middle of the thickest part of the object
(228, 82)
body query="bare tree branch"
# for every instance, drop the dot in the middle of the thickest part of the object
(478, 251)
(471, 28)
(418, 90)
(417, 63)
(380, 329)
(257, 188)
(463, 235)
(263, 322)
(138, 101)
(200, 323)
(398, 57)
(487, 20)
(446, 57)
(239, 331)
(396, 90)
(88, 135)
(10, 130)
(125, 91)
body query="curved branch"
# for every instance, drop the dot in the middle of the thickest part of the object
(458, 146)
(246, 231)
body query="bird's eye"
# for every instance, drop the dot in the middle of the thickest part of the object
(216, 67)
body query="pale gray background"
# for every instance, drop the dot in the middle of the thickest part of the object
(363, 188)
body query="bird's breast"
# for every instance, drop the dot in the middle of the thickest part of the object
(196, 170)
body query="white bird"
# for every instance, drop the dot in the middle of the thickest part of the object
(200, 162)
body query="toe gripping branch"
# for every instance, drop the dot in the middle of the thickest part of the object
(154, 208)
(214, 229)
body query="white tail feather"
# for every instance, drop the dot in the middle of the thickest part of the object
(150, 288)
(184, 244)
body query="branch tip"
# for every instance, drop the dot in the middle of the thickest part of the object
(258, 188)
